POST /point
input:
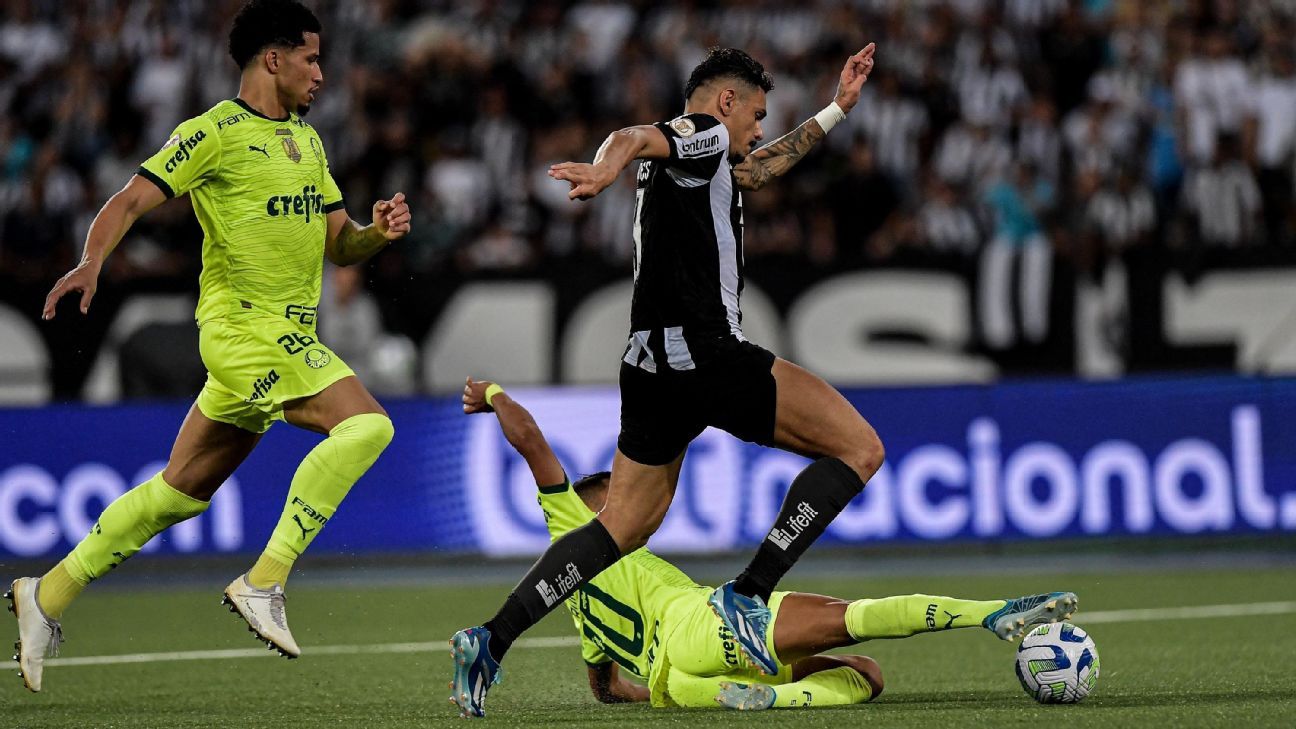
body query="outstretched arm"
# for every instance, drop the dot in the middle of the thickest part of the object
(617, 151)
(348, 243)
(779, 156)
(115, 218)
(519, 428)
(610, 687)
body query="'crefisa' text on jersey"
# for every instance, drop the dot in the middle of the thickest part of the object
(262, 191)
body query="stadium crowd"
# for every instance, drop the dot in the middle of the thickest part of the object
(1076, 129)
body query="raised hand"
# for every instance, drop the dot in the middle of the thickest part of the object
(392, 217)
(83, 278)
(853, 75)
(474, 397)
(586, 179)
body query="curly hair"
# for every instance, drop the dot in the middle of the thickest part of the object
(728, 63)
(264, 23)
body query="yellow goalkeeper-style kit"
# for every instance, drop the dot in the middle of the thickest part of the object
(262, 191)
(646, 615)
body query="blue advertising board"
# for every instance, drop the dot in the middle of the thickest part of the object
(1006, 461)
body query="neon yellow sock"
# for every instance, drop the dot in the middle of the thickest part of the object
(906, 615)
(57, 590)
(268, 571)
(835, 687)
(122, 529)
(318, 487)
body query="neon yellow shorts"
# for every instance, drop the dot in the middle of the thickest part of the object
(702, 646)
(256, 362)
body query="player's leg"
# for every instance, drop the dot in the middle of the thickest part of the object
(656, 427)
(813, 419)
(816, 681)
(806, 624)
(204, 455)
(638, 497)
(357, 430)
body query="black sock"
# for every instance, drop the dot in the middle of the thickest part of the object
(568, 564)
(816, 497)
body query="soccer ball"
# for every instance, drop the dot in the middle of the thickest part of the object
(1057, 664)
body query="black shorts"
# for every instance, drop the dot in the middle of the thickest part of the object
(662, 412)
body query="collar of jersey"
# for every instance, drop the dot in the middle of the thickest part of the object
(254, 112)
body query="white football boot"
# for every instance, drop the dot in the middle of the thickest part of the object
(38, 635)
(745, 696)
(264, 612)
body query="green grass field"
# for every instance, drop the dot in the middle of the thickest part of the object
(1201, 671)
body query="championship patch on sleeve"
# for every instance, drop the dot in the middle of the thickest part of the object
(173, 141)
(683, 126)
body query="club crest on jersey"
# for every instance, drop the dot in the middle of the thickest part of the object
(289, 144)
(317, 358)
(683, 127)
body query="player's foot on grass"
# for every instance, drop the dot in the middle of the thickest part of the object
(748, 619)
(475, 671)
(1012, 620)
(38, 635)
(745, 696)
(264, 612)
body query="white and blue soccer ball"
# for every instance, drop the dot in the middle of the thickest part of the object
(1057, 664)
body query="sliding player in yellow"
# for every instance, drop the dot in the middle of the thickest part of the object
(259, 182)
(644, 616)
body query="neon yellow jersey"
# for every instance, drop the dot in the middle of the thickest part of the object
(627, 611)
(261, 190)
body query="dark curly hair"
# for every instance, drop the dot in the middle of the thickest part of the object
(728, 63)
(264, 23)
(590, 482)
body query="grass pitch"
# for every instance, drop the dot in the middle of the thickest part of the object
(1228, 669)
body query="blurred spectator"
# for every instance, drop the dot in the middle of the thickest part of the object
(1224, 198)
(463, 106)
(1211, 88)
(1016, 265)
(1271, 141)
(947, 225)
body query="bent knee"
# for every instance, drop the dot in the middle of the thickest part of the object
(374, 430)
(871, 671)
(866, 457)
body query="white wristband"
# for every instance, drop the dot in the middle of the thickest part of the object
(830, 116)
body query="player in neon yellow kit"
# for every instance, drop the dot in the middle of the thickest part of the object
(644, 616)
(259, 182)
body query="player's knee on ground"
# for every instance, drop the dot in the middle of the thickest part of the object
(869, 669)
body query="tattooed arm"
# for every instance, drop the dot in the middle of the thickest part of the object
(777, 157)
(348, 243)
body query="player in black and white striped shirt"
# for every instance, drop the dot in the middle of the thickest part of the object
(687, 364)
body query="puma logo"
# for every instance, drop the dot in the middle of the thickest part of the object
(260, 149)
(950, 622)
(302, 527)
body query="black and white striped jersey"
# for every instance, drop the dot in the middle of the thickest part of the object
(688, 261)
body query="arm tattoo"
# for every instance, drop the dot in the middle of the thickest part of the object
(355, 244)
(777, 157)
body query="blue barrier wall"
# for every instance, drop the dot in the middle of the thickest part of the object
(1008, 461)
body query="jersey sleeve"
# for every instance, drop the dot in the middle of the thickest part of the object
(190, 157)
(698, 144)
(563, 509)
